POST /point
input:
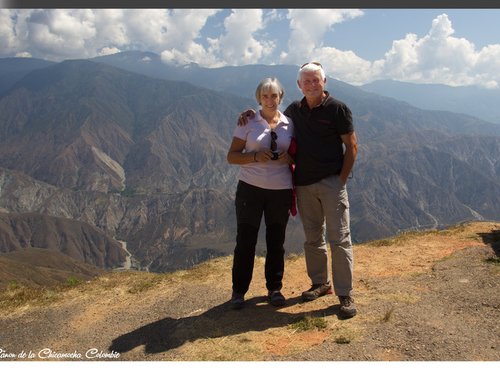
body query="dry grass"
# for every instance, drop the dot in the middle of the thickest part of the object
(416, 252)
(213, 268)
(308, 323)
(403, 237)
(345, 333)
(143, 285)
(243, 347)
(17, 295)
(388, 314)
(495, 261)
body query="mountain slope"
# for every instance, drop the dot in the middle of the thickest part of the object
(83, 125)
(81, 241)
(152, 225)
(14, 69)
(452, 178)
(42, 268)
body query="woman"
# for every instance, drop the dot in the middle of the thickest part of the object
(264, 187)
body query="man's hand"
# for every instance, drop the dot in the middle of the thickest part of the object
(245, 116)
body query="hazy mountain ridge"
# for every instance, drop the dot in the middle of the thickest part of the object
(242, 80)
(14, 69)
(236, 80)
(143, 159)
(470, 100)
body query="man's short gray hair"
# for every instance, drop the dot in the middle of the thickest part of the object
(312, 67)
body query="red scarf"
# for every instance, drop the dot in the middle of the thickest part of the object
(292, 149)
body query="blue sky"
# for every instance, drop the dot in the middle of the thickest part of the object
(480, 26)
(457, 47)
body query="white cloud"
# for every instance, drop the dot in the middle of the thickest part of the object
(7, 39)
(112, 29)
(308, 27)
(344, 65)
(172, 33)
(238, 44)
(488, 64)
(401, 60)
(108, 51)
(439, 57)
(273, 15)
(58, 34)
(181, 32)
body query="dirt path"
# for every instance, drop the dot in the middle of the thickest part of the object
(424, 296)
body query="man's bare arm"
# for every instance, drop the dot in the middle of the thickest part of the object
(351, 144)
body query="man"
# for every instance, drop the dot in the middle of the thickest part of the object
(323, 127)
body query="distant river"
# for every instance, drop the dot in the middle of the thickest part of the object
(128, 259)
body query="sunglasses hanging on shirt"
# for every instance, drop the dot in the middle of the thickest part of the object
(274, 146)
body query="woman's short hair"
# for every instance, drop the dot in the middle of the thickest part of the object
(269, 84)
(312, 67)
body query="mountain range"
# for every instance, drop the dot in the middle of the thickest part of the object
(125, 148)
(470, 100)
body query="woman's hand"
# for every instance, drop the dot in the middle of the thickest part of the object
(285, 158)
(264, 156)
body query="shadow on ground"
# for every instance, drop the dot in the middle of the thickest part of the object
(493, 239)
(219, 321)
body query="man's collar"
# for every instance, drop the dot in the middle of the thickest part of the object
(303, 102)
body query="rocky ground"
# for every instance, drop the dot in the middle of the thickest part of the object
(428, 296)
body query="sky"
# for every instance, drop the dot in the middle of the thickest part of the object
(456, 47)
